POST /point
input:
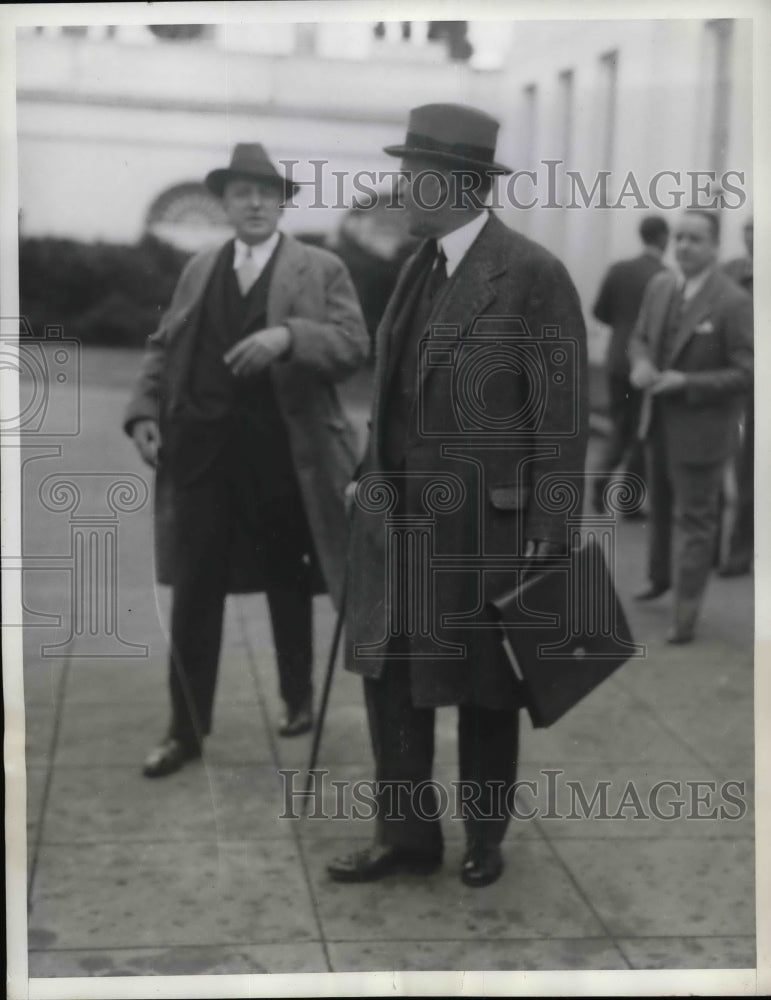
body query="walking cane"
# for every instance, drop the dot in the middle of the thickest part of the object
(325, 694)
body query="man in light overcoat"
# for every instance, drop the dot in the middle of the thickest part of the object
(237, 408)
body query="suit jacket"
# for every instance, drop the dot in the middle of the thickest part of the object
(618, 304)
(501, 411)
(310, 293)
(713, 346)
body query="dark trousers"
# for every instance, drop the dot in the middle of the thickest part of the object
(623, 447)
(741, 541)
(206, 511)
(403, 745)
(685, 504)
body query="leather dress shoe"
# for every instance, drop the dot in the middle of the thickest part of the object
(297, 721)
(679, 636)
(734, 569)
(169, 757)
(379, 861)
(482, 865)
(652, 592)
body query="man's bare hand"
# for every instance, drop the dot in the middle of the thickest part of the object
(668, 381)
(147, 438)
(538, 550)
(258, 350)
(644, 373)
(350, 493)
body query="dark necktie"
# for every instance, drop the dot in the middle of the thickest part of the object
(438, 273)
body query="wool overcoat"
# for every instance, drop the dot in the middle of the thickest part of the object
(500, 421)
(312, 294)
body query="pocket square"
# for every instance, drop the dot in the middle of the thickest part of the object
(706, 326)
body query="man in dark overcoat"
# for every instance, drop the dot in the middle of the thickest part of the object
(237, 407)
(480, 401)
(692, 354)
(618, 303)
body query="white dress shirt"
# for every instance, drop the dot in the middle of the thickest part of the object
(456, 244)
(693, 285)
(260, 253)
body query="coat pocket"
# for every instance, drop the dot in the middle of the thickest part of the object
(508, 497)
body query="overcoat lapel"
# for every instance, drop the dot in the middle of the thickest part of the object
(470, 290)
(385, 335)
(290, 264)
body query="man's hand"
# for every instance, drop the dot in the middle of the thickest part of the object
(258, 350)
(538, 549)
(643, 374)
(350, 492)
(668, 381)
(147, 438)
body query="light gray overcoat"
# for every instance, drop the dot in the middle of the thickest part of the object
(312, 294)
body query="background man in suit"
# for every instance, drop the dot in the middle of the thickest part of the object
(502, 312)
(236, 406)
(617, 305)
(691, 352)
(741, 539)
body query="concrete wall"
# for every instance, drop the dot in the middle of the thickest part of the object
(663, 121)
(105, 127)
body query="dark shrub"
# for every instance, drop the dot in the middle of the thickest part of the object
(101, 293)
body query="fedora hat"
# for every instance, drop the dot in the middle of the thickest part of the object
(452, 134)
(249, 160)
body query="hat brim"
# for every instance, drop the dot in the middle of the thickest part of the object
(451, 159)
(216, 179)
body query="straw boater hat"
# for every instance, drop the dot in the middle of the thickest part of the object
(453, 135)
(249, 160)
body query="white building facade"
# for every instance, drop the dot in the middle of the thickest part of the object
(117, 127)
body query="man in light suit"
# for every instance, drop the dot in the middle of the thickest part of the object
(236, 407)
(480, 402)
(691, 352)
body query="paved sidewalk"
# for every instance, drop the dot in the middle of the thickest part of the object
(198, 874)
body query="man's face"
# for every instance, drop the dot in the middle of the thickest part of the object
(253, 208)
(695, 247)
(435, 198)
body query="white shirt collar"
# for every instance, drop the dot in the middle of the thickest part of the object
(692, 286)
(455, 245)
(260, 252)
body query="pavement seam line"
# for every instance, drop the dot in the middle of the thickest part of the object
(52, 746)
(267, 722)
(582, 895)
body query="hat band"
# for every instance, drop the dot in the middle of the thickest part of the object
(464, 150)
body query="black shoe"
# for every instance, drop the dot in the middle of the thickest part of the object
(482, 865)
(169, 757)
(679, 636)
(734, 569)
(379, 861)
(652, 592)
(297, 721)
